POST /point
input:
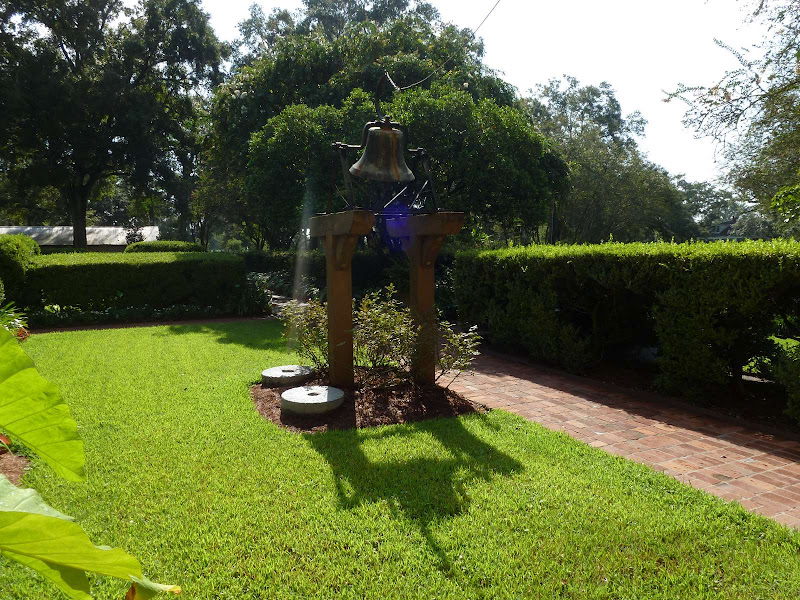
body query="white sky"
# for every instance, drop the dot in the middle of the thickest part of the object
(640, 47)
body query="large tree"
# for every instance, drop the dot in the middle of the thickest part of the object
(615, 191)
(753, 111)
(92, 90)
(490, 161)
(298, 62)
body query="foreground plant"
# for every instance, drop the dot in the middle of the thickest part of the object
(307, 327)
(385, 339)
(32, 533)
(12, 319)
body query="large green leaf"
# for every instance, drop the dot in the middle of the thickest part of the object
(32, 411)
(40, 537)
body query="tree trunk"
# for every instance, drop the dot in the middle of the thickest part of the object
(78, 203)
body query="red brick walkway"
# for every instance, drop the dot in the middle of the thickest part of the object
(760, 471)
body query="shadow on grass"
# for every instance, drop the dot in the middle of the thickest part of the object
(423, 490)
(259, 334)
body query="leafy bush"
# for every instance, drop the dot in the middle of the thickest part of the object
(101, 281)
(12, 319)
(307, 330)
(710, 308)
(385, 338)
(164, 246)
(16, 256)
(304, 272)
(257, 296)
(54, 315)
(787, 372)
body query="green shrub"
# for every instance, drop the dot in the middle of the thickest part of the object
(710, 308)
(11, 318)
(165, 246)
(307, 331)
(385, 339)
(304, 272)
(103, 281)
(787, 372)
(16, 255)
(257, 296)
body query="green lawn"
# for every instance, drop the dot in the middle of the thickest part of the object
(185, 475)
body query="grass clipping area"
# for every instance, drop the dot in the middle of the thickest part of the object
(185, 474)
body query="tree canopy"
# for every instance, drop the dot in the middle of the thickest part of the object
(282, 107)
(92, 90)
(615, 191)
(753, 111)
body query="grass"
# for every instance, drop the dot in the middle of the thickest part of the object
(185, 475)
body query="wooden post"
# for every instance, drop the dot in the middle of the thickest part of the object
(340, 233)
(421, 237)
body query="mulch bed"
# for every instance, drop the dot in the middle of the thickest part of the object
(369, 407)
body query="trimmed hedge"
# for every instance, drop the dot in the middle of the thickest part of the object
(372, 270)
(101, 281)
(16, 256)
(165, 246)
(711, 309)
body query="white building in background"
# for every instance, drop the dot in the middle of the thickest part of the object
(108, 239)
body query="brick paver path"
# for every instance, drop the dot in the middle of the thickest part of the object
(760, 471)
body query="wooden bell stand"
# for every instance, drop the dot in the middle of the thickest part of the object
(421, 236)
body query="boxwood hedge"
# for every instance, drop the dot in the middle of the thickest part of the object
(99, 281)
(164, 246)
(17, 253)
(710, 309)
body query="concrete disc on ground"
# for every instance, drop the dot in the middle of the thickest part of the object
(311, 399)
(286, 375)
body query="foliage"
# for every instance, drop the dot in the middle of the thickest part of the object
(17, 253)
(489, 161)
(99, 281)
(302, 274)
(12, 319)
(787, 202)
(787, 373)
(753, 110)
(458, 349)
(711, 308)
(94, 90)
(257, 296)
(55, 315)
(301, 88)
(34, 534)
(307, 330)
(165, 246)
(384, 337)
(386, 512)
(614, 190)
(33, 413)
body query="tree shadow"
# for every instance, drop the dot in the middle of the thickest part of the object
(259, 334)
(423, 490)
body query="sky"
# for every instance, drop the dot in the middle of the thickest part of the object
(643, 48)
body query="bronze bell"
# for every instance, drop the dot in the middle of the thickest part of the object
(384, 146)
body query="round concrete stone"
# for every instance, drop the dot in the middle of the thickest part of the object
(286, 375)
(311, 399)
